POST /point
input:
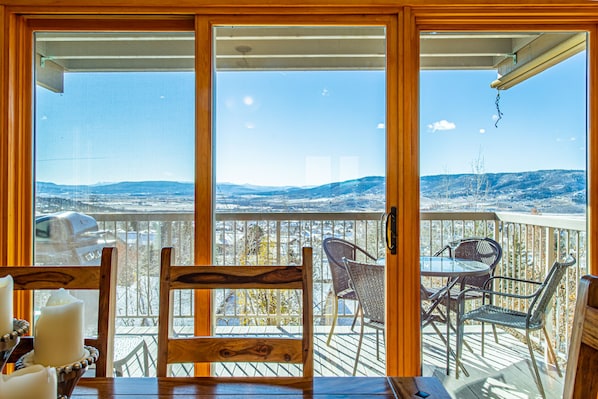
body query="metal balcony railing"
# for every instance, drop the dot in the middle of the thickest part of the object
(530, 244)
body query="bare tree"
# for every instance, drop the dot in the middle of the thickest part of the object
(478, 183)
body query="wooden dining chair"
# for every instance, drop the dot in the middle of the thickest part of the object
(581, 377)
(209, 349)
(102, 278)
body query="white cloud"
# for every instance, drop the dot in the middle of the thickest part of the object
(380, 125)
(248, 100)
(325, 93)
(482, 131)
(442, 125)
(494, 117)
(560, 140)
(249, 125)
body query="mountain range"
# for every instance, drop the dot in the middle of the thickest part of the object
(549, 191)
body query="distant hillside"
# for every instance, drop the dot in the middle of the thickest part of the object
(123, 188)
(562, 191)
(553, 191)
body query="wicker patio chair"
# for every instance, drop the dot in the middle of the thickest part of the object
(540, 302)
(336, 249)
(367, 281)
(481, 249)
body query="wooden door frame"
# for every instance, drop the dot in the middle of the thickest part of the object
(403, 338)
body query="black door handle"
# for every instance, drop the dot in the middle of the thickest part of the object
(391, 230)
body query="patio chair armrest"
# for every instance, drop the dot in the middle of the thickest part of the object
(518, 280)
(440, 251)
(463, 293)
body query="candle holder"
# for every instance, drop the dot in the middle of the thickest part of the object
(9, 341)
(67, 376)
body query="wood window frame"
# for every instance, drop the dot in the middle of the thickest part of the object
(403, 338)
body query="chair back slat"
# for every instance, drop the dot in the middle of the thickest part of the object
(208, 349)
(542, 303)
(234, 349)
(101, 278)
(210, 277)
(581, 378)
(368, 282)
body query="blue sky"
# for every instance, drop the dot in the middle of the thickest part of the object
(543, 125)
(304, 128)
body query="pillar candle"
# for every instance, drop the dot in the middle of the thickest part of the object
(34, 382)
(58, 338)
(6, 311)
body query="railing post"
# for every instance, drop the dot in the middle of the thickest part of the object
(551, 256)
(498, 239)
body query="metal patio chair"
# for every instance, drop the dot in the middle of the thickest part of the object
(534, 318)
(336, 249)
(367, 281)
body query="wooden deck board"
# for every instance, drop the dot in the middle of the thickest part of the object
(504, 371)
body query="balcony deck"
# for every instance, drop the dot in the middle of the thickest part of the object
(504, 371)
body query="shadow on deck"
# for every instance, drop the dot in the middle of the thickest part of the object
(504, 372)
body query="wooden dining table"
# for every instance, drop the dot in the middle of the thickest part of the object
(275, 387)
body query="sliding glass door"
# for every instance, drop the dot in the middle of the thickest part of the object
(300, 156)
(503, 133)
(114, 166)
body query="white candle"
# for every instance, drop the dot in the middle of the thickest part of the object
(35, 382)
(6, 311)
(59, 331)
